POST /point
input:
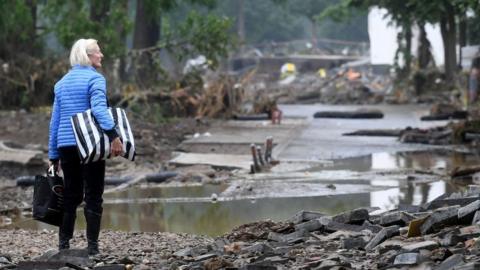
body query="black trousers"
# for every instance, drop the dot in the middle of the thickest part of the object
(81, 181)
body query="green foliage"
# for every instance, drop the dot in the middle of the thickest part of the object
(71, 20)
(265, 21)
(203, 34)
(16, 28)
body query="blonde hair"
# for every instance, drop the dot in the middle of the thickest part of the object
(80, 50)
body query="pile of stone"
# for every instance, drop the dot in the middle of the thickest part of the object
(442, 234)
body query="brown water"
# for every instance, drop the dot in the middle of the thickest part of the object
(191, 209)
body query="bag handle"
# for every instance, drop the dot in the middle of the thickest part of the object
(51, 171)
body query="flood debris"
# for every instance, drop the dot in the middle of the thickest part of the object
(312, 240)
(262, 161)
(461, 132)
(376, 132)
(358, 114)
(435, 235)
(445, 111)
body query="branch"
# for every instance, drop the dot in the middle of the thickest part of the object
(14, 82)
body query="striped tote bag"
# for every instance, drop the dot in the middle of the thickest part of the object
(93, 144)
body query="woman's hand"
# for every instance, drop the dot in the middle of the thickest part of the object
(116, 147)
(56, 165)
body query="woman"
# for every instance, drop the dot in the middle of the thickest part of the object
(80, 89)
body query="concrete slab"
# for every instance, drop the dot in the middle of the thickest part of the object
(215, 160)
(227, 144)
(323, 139)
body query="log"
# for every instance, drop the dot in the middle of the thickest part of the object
(470, 136)
(376, 132)
(360, 114)
(445, 116)
(250, 117)
(464, 171)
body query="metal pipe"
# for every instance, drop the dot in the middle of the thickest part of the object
(254, 156)
(260, 157)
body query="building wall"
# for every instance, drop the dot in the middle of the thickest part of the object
(383, 39)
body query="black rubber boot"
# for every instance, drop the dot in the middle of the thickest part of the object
(65, 233)
(93, 230)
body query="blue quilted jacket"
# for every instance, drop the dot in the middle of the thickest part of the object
(80, 89)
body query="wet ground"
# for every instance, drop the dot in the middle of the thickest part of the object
(366, 171)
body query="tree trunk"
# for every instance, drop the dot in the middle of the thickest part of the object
(408, 48)
(462, 37)
(147, 27)
(32, 5)
(447, 28)
(314, 35)
(241, 24)
(99, 10)
(424, 54)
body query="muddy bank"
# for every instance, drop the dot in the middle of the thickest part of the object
(28, 131)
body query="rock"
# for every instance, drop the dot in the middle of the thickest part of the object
(470, 231)
(259, 267)
(441, 217)
(278, 237)
(258, 248)
(356, 216)
(468, 266)
(449, 202)
(353, 243)
(440, 254)
(332, 226)
(451, 262)
(39, 265)
(407, 259)
(309, 226)
(451, 239)
(409, 208)
(373, 228)
(303, 215)
(396, 218)
(191, 252)
(429, 245)
(110, 267)
(4, 260)
(282, 250)
(204, 257)
(476, 218)
(384, 234)
(469, 209)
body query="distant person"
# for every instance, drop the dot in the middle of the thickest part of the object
(80, 89)
(473, 81)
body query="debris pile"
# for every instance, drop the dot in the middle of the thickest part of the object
(464, 132)
(442, 234)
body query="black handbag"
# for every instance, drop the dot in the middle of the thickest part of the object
(48, 198)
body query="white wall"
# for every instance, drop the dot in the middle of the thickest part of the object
(383, 39)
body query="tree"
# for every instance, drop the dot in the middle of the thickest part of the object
(17, 28)
(406, 13)
(310, 9)
(105, 20)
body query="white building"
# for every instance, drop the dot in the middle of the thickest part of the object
(383, 39)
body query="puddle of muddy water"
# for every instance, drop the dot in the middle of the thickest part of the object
(191, 209)
(419, 160)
